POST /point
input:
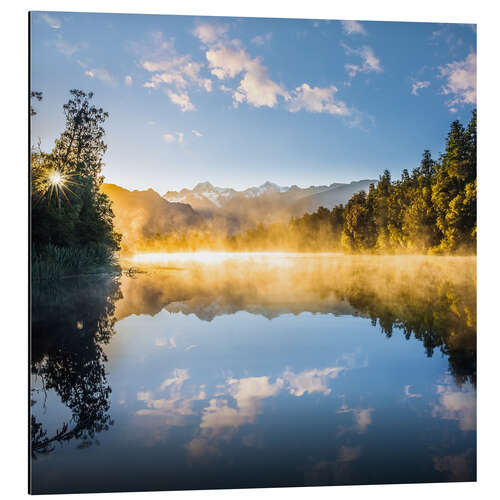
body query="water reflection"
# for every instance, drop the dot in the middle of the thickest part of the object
(70, 325)
(322, 370)
(432, 299)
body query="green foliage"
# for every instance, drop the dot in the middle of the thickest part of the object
(51, 262)
(359, 231)
(72, 213)
(34, 95)
(317, 232)
(432, 210)
(455, 187)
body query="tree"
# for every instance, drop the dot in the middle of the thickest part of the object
(359, 231)
(34, 95)
(83, 214)
(454, 190)
(419, 221)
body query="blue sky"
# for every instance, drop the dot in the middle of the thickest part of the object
(240, 101)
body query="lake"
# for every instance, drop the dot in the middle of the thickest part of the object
(255, 370)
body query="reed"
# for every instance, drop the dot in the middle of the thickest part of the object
(50, 262)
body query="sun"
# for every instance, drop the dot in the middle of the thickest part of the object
(56, 178)
(57, 184)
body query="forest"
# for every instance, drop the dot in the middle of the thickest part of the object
(431, 210)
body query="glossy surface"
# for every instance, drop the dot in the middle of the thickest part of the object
(268, 371)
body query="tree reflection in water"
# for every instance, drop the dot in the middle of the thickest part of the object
(71, 321)
(430, 298)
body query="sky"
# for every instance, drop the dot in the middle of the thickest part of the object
(241, 101)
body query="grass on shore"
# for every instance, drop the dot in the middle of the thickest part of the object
(50, 262)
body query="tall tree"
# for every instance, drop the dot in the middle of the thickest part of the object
(71, 173)
(359, 231)
(454, 190)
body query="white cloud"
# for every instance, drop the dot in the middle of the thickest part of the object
(209, 33)
(409, 394)
(460, 81)
(369, 61)
(196, 133)
(168, 343)
(219, 416)
(174, 72)
(128, 80)
(52, 21)
(173, 409)
(228, 60)
(419, 85)
(248, 394)
(174, 137)
(101, 74)
(353, 28)
(178, 71)
(362, 419)
(66, 48)
(247, 391)
(179, 377)
(457, 404)
(182, 100)
(256, 88)
(262, 39)
(317, 100)
(311, 381)
(144, 396)
(259, 89)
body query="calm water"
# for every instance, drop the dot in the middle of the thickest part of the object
(255, 372)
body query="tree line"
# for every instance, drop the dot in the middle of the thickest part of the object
(432, 210)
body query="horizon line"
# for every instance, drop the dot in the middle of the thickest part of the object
(238, 189)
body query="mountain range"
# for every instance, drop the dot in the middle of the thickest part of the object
(140, 214)
(266, 203)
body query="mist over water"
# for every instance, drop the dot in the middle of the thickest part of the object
(247, 370)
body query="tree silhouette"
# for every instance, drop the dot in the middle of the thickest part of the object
(70, 326)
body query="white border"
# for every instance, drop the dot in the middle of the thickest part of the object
(13, 210)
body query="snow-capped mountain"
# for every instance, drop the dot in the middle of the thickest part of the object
(204, 195)
(266, 203)
(226, 211)
(208, 198)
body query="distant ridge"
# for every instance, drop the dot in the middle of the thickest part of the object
(143, 214)
(336, 195)
(267, 202)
